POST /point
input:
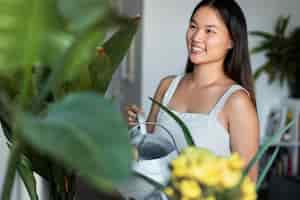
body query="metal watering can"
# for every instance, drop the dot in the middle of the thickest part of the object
(155, 152)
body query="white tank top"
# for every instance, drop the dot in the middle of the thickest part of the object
(205, 128)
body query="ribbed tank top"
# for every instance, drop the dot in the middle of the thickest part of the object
(205, 128)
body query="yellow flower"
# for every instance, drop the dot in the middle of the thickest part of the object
(208, 173)
(180, 162)
(190, 189)
(230, 178)
(198, 155)
(248, 189)
(169, 191)
(179, 172)
(235, 161)
(179, 166)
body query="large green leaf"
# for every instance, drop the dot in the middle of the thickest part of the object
(111, 53)
(22, 27)
(26, 173)
(86, 133)
(78, 55)
(116, 47)
(81, 14)
(56, 39)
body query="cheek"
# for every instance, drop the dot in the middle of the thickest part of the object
(219, 44)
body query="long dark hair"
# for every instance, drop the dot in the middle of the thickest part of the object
(237, 62)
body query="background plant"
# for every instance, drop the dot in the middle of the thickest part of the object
(282, 51)
(53, 113)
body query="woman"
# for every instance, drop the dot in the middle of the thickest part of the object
(215, 97)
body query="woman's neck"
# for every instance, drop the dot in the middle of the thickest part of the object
(207, 74)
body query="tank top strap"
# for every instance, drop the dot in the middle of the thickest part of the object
(222, 101)
(170, 91)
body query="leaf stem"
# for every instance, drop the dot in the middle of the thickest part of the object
(11, 171)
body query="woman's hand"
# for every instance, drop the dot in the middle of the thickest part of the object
(132, 111)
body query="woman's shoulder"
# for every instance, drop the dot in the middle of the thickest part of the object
(239, 102)
(165, 82)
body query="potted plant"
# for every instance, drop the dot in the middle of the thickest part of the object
(282, 52)
(56, 120)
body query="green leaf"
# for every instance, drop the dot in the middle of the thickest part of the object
(40, 164)
(86, 133)
(265, 35)
(81, 14)
(116, 47)
(264, 147)
(186, 131)
(26, 173)
(266, 168)
(258, 72)
(281, 25)
(111, 54)
(264, 46)
(78, 55)
(22, 28)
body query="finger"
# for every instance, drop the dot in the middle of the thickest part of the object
(131, 114)
(132, 123)
(131, 119)
(137, 109)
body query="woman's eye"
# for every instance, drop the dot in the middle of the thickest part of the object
(192, 26)
(210, 31)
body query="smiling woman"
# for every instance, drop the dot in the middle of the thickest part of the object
(215, 96)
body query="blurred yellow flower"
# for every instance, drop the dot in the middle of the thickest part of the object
(248, 189)
(208, 173)
(180, 162)
(190, 189)
(199, 174)
(169, 191)
(235, 161)
(230, 178)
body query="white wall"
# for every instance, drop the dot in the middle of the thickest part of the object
(164, 50)
(4, 154)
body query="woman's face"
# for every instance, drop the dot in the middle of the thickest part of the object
(208, 39)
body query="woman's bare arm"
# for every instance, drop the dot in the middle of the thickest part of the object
(243, 128)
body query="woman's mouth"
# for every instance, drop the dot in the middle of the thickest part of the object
(197, 50)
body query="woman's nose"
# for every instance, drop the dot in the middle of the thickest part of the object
(198, 36)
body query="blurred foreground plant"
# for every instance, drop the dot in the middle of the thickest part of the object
(53, 113)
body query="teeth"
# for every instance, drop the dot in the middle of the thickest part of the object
(197, 49)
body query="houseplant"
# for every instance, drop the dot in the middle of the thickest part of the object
(53, 113)
(282, 51)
